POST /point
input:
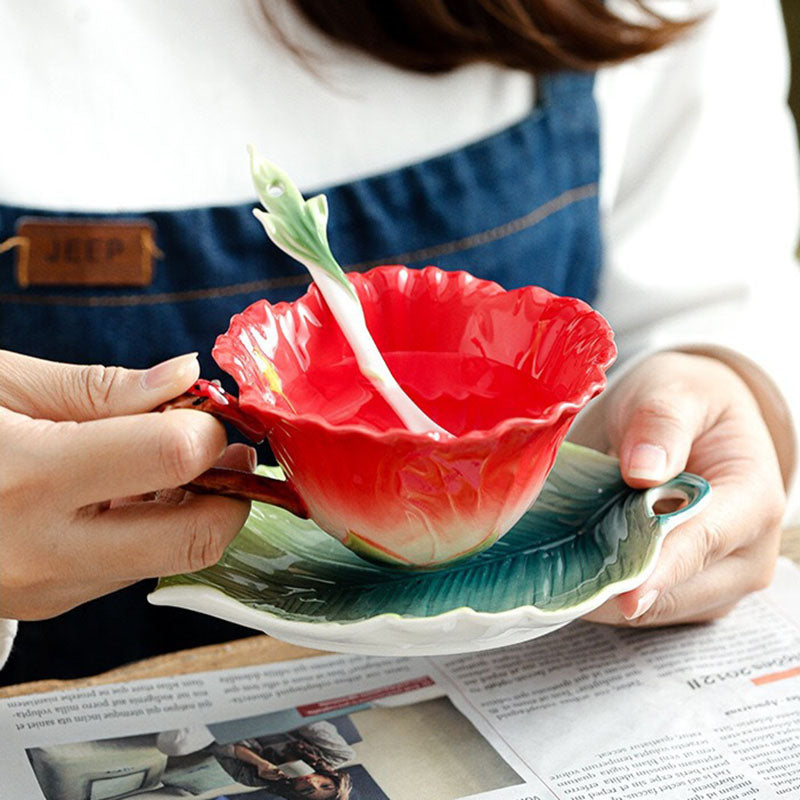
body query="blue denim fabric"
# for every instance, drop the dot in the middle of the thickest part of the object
(518, 207)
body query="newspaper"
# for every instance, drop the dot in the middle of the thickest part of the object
(684, 713)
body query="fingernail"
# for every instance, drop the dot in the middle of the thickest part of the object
(252, 458)
(647, 461)
(645, 603)
(168, 372)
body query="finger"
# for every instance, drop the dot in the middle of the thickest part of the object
(57, 391)
(729, 525)
(54, 600)
(657, 434)
(126, 456)
(705, 596)
(238, 456)
(747, 508)
(153, 539)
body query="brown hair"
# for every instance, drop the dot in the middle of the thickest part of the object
(284, 787)
(305, 750)
(533, 35)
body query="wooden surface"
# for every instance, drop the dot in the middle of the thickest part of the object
(258, 649)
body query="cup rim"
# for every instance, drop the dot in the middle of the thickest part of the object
(596, 374)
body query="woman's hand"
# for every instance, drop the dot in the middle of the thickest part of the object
(264, 769)
(269, 772)
(80, 461)
(678, 411)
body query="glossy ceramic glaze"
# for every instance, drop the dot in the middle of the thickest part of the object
(588, 537)
(505, 372)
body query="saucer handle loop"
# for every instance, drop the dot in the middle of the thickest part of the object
(211, 397)
(249, 486)
(692, 490)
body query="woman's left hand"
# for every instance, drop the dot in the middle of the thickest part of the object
(268, 771)
(677, 411)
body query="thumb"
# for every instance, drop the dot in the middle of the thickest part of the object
(655, 434)
(57, 391)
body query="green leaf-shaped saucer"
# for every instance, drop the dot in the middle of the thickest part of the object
(588, 537)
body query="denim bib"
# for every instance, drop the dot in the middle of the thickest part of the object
(518, 207)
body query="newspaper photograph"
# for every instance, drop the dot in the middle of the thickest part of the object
(400, 741)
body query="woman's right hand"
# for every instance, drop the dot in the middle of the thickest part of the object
(80, 461)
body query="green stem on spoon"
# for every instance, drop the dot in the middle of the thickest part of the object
(298, 227)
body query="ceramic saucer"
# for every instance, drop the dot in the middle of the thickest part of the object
(587, 538)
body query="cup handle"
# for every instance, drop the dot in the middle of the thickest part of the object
(212, 398)
(209, 396)
(249, 486)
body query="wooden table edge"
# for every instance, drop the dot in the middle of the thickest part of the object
(251, 651)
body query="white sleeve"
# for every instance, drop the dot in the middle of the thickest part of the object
(8, 630)
(326, 737)
(699, 195)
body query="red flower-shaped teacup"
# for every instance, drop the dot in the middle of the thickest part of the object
(504, 371)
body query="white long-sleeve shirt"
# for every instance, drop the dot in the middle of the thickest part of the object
(144, 105)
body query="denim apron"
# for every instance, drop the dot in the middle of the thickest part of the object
(518, 207)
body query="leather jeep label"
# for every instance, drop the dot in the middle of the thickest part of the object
(75, 252)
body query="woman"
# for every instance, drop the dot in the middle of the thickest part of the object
(319, 746)
(448, 133)
(301, 763)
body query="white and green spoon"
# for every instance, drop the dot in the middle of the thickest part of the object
(298, 227)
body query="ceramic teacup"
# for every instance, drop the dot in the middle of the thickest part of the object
(504, 371)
